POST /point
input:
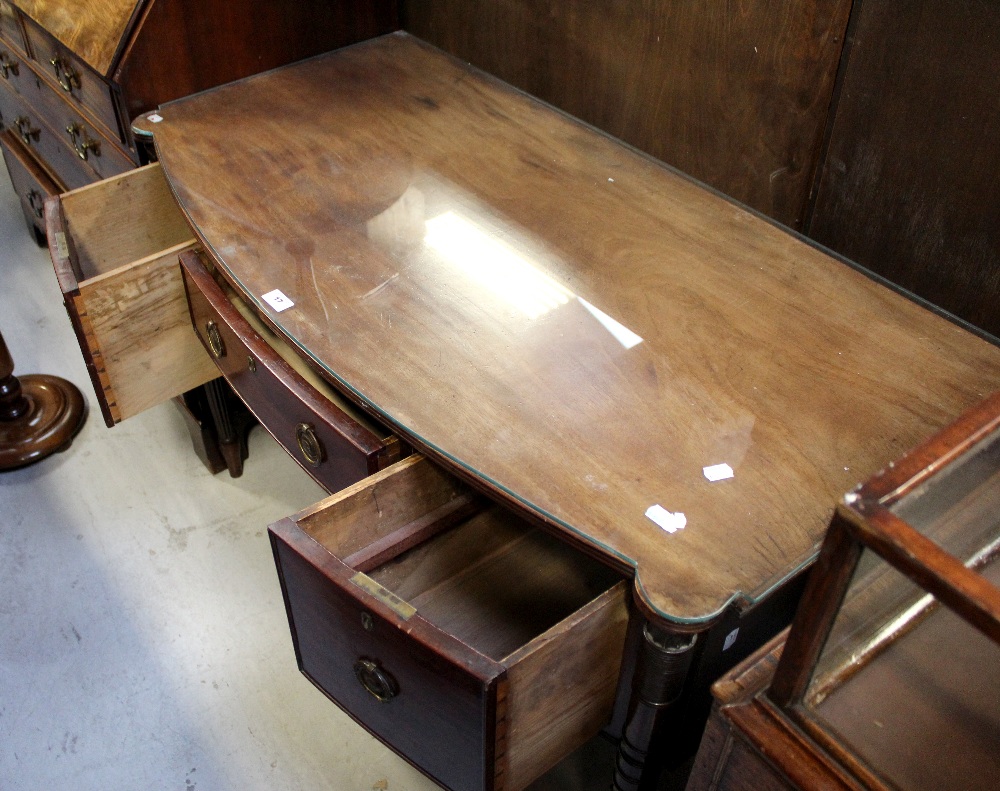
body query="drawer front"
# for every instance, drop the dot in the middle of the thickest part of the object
(331, 446)
(436, 715)
(10, 28)
(69, 75)
(77, 130)
(46, 145)
(13, 69)
(115, 246)
(31, 183)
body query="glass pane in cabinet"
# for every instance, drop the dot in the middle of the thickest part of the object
(909, 687)
(959, 507)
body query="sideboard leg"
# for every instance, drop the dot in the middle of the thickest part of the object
(663, 664)
(232, 423)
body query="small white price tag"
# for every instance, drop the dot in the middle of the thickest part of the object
(669, 521)
(155, 118)
(718, 472)
(277, 300)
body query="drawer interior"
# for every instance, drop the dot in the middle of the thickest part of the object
(122, 221)
(469, 566)
(115, 247)
(494, 582)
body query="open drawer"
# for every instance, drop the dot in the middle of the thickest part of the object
(330, 438)
(115, 247)
(477, 646)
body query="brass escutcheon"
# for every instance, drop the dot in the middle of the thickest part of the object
(309, 444)
(376, 681)
(215, 343)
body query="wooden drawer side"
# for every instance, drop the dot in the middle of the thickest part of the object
(123, 219)
(125, 294)
(561, 689)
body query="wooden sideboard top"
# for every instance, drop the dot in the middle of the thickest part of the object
(579, 327)
(92, 29)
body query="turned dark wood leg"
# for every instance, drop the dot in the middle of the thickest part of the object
(662, 668)
(232, 424)
(39, 414)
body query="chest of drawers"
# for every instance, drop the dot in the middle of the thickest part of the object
(74, 74)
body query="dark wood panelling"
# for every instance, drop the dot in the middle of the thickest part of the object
(735, 94)
(188, 45)
(910, 188)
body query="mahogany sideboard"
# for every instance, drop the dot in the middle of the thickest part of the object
(888, 677)
(634, 402)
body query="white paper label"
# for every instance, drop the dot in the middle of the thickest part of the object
(277, 300)
(669, 521)
(62, 249)
(730, 639)
(154, 118)
(718, 472)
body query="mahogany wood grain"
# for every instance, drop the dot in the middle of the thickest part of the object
(93, 29)
(184, 46)
(736, 97)
(353, 182)
(280, 398)
(909, 185)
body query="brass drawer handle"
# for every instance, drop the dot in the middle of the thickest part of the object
(82, 142)
(376, 681)
(215, 342)
(26, 131)
(309, 444)
(8, 66)
(65, 74)
(37, 202)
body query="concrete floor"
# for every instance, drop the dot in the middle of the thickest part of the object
(143, 640)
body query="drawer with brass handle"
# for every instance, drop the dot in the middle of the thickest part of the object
(474, 644)
(115, 247)
(330, 438)
(44, 143)
(68, 75)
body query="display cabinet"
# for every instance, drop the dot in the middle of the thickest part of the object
(888, 678)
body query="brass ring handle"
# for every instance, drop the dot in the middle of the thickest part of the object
(376, 681)
(8, 66)
(215, 342)
(309, 444)
(66, 75)
(25, 129)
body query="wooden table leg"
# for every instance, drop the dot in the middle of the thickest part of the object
(39, 414)
(663, 664)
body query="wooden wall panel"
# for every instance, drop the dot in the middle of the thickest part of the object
(734, 93)
(911, 185)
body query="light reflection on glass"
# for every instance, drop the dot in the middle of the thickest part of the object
(505, 273)
(495, 265)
